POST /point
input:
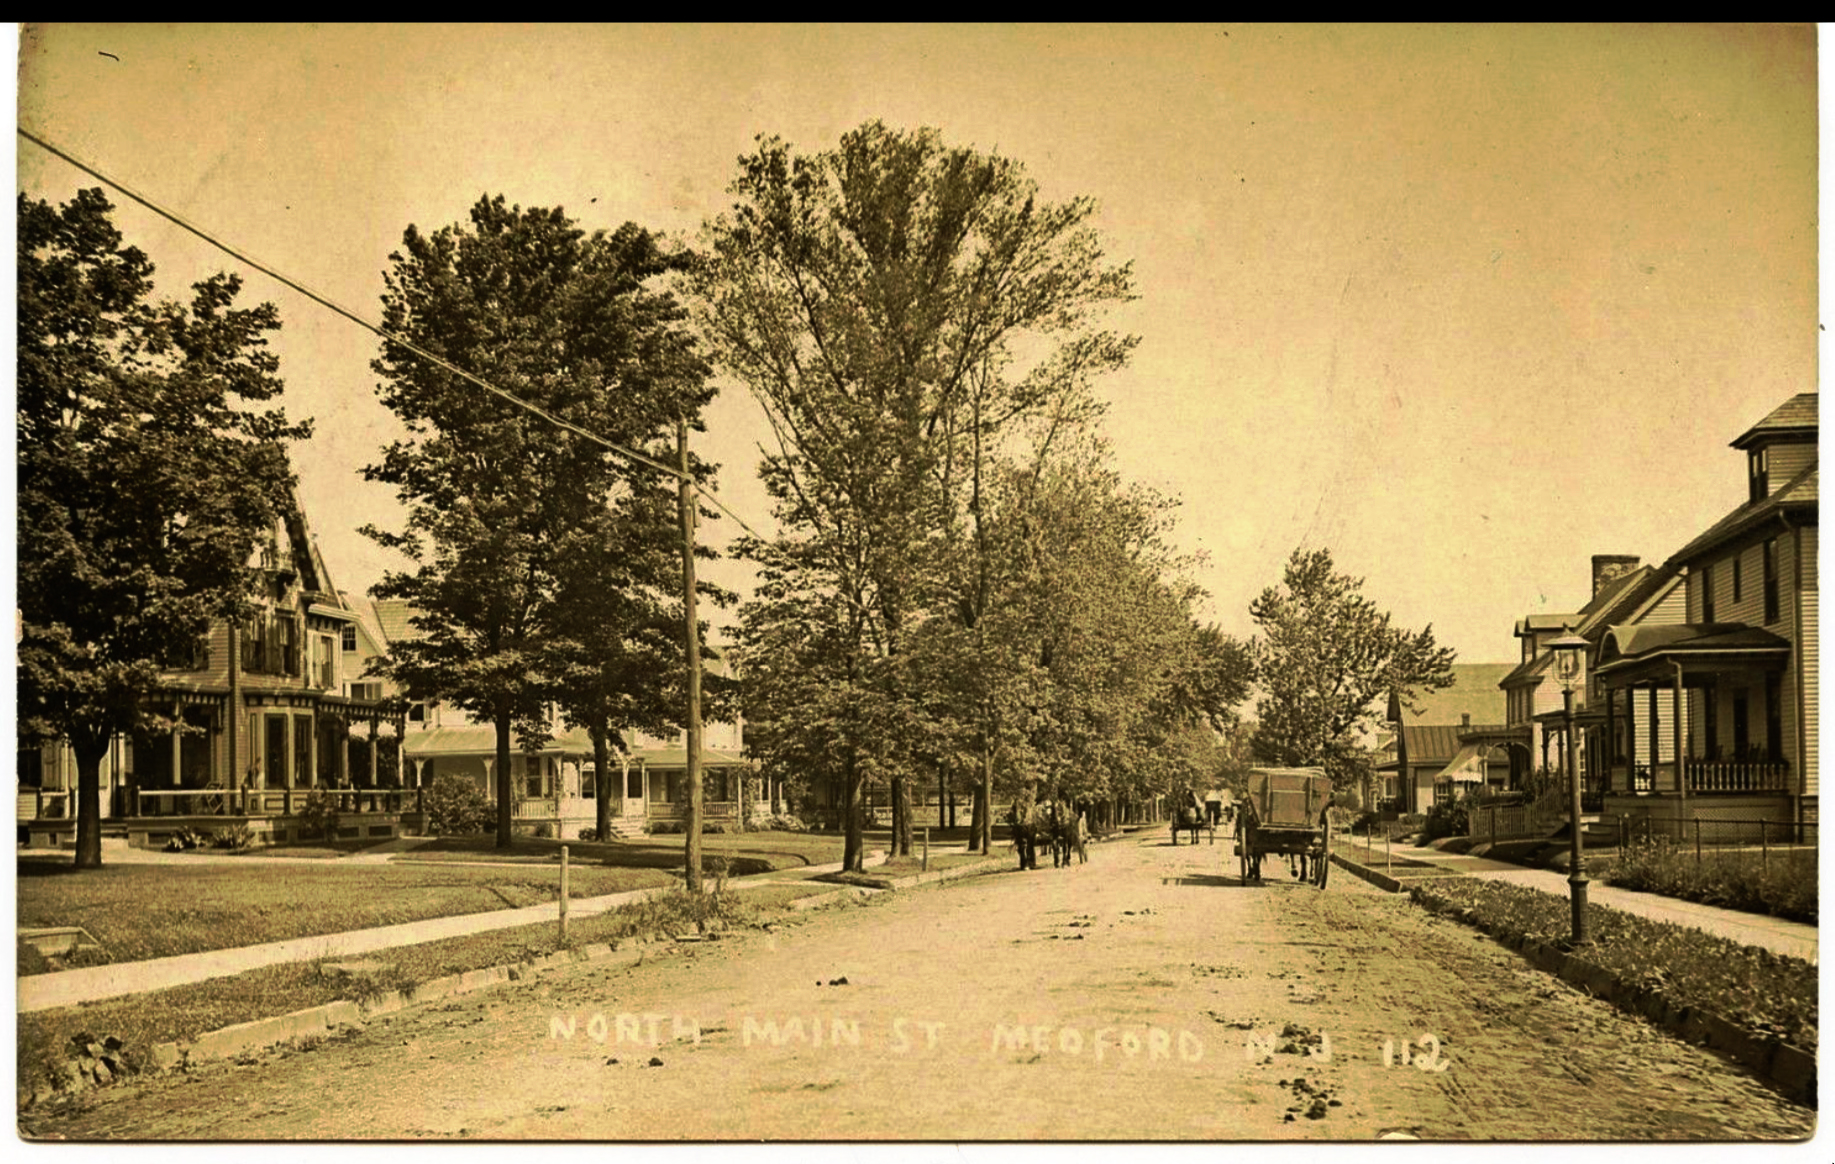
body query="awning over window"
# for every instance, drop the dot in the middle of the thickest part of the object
(1468, 767)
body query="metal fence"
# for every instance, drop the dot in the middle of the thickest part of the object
(1708, 836)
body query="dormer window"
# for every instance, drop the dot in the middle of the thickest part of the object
(1758, 470)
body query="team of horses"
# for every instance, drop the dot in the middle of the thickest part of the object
(1053, 825)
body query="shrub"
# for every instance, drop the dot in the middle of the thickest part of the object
(185, 839)
(235, 838)
(661, 827)
(1447, 820)
(456, 807)
(1782, 884)
(784, 822)
(319, 814)
(542, 832)
(589, 833)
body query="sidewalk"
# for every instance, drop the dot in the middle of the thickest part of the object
(1748, 929)
(92, 983)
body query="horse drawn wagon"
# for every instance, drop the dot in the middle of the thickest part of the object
(1287, 811)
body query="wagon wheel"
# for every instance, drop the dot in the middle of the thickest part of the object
(1324, 858)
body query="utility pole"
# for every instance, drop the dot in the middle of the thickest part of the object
(687, 505)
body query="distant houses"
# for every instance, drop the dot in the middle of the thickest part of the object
(554, 783)
(1445, 741)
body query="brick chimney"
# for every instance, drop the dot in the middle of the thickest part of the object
(1608, 568)
(1465, 719)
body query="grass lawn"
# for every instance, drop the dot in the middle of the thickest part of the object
(152, 911)
(185, 1012)
(747, 853)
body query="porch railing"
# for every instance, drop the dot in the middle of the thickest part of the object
(267, 801)
(1725, 776)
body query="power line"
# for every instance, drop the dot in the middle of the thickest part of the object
(337, 308)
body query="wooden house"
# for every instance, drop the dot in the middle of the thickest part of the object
(1709, 703)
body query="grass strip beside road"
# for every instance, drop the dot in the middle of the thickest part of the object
(183, 1013)
(1752, 987)
(746, 853)
(153, 911)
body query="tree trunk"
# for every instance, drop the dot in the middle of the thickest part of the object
(853, 847)
(602, 787)
(901, 816)
(505, 833)
(986, 796)
(89, 755)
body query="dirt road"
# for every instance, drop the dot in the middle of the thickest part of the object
(1142, 996)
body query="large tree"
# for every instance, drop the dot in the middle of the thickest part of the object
(147, 472)
(1325, 659)
(504, 508)
(862, 293)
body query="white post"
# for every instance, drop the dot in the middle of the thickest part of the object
(563, 896)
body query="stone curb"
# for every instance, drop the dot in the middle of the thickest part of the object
(1789, 1068)
(910, 881)
(260, 1034)
(1381, 880)
(1386, 881)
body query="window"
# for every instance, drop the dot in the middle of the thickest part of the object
(371, 690)
(1710, 717)
(1758, 471)
(1736, 577)
(325, 660)
(350, 637)
(417, 713)
(1771, 580)
(1707, 592)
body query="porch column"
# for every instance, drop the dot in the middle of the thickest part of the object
(1676, 731)
(1611, 731)
(372, 751)
(1656, 754)
(312, 748)
(344, 753)
(490, 784)
(177, 770)
(286, 763)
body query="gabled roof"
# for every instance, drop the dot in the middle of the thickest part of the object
(1530, 624)
(1639, 586)
(1610, 592)
(1795, 496)
(392, 616)
(1794, 417)
(1474, 693)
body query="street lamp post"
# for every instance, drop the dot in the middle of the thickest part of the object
(1568, 650)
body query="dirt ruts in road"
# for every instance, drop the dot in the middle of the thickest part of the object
(1144, 995)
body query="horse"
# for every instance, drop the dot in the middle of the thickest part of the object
(1025, 824)
(1245, 828)
(1188, 817)
(1063, 828)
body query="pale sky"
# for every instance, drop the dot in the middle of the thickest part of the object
(1466, 305)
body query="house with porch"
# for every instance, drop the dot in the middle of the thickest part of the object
(1445, 740)
(262, 713)
(554, 784)
(1711, 712)
(1623, 592)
